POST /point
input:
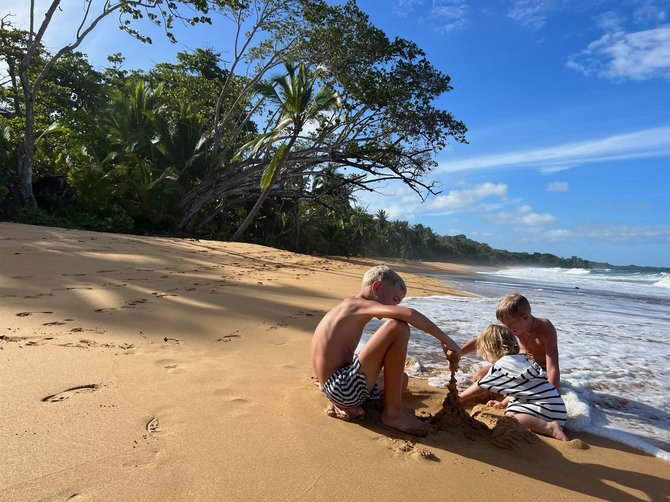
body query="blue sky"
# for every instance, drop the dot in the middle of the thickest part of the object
(568, 109)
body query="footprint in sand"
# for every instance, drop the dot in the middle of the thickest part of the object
(101, 311)
(66, 394)
(26, 314)
(153, 427)
(171, 366)
(409, 447)
(53, 323)
(227, 338)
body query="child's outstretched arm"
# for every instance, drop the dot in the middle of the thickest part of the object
(469, 346)
(473, 391)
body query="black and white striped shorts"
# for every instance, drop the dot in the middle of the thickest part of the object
(347, 387)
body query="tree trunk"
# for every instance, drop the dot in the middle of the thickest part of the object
(25, 165)
(252, 214)
(264, 194)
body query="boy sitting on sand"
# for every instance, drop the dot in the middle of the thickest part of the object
(537, 337)
(530, 398)
(349, 379)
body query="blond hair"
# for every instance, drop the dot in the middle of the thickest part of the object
(512, 307)
(384, 274)
(497, 341)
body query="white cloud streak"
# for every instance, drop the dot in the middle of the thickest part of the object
(647, 143)
(449, 15)
(618, 55)
(403, 8)
(625, 233)
(531, 14)
(469, 198)
(523, 215)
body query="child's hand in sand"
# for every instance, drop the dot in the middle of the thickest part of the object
(495, 404)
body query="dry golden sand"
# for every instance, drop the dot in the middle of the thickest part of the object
(137, 368)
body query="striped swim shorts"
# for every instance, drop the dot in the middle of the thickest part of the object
(347, 387)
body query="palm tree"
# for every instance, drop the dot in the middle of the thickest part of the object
(297, 103)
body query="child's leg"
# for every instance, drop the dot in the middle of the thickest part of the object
(551, 429)
(388, 348)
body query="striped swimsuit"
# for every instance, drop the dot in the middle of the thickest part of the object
(347, 387)
(527, 385)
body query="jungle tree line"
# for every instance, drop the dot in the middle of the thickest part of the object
(314, 105)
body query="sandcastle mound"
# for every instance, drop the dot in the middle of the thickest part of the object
(454, 416)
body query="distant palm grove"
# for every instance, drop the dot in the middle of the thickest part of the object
(311, 106)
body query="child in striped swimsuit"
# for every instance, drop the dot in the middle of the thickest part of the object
(530, 398)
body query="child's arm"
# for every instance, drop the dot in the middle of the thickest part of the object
(469, 346)
(473, 391)
(416, 319)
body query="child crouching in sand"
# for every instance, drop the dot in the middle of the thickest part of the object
(530, 398)
(348, 380)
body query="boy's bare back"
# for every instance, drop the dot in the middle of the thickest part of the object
(337, 335)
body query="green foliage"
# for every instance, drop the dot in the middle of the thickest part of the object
(108, 219)
(135, 146)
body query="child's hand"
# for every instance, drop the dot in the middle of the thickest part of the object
(495, 404)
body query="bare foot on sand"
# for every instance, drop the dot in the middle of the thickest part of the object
(404, 421)
(346, 414)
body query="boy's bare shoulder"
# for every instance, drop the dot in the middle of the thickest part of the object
(546, 326)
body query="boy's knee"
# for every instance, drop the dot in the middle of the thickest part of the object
(401, 327)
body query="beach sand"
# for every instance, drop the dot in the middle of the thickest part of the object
(142, 368)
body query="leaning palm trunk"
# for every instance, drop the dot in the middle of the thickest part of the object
(297, 104)
(266, 185)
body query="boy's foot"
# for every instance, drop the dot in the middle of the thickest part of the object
(406, 422)
(346, 414)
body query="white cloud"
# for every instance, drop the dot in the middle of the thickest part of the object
(558, 186)
(449, 15)
(535, 219)
(396, 212)
(558, 234)
(469, 198)
(649, 12)
(523, 215)
(619, 55)
(625, 233)
(610, 21)
(400, 202)
(647, 143)
(403, 8)
(531, 14)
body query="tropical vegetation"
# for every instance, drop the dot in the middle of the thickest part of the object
(314, 106)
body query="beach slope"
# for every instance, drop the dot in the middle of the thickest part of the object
(140, 368)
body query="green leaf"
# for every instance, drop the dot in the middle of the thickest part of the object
(268, 174)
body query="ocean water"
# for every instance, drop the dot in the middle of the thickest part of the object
(613, 336)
